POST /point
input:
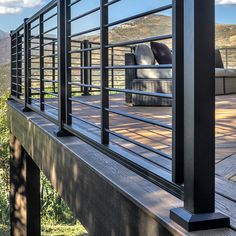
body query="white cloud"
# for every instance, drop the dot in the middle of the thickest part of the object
(226, 2)
(16, 6)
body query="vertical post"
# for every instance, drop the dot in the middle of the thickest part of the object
(19, 65)
(24, 192)
(41, 53)
(178, 92)
(13, 78)
(26, 67)
(62, 84)
(68, 62)
(86, 64)
(29, 54)
(104, 72)
(199, 119)
(227, 58)
(53, 66)
(112, 64)
(81, 65)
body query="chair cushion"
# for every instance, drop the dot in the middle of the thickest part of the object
(225, 72)
(230, 72)
(220, 72)
(162, 53)
(218, 59)
(154, 73)
(144, 55)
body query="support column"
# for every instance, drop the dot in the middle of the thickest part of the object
(24, 192)
(199, 119)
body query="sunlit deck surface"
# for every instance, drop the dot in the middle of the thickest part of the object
(157, 137)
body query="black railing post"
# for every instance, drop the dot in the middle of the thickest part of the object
(53, 66)
(13, 78)
(26, 67)
(41, 63)
(86, 61)
(178, 92)
(68, 62)
(199, 119)
(112, 64)
(19, 65)
(104, 72)
(62, 85)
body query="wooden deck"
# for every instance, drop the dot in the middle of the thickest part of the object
(160, 138)
(89, 176)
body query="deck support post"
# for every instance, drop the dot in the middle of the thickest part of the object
(199, 119)
(24, 192)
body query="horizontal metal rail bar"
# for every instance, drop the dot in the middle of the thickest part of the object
(142, 119)
(121, 67)
(33, 27)
(84, 50)
(132, 42)
(49, 30)
(111, 2)
(50, 93)
(84, 67)
(85, 32)
(85, 121)
(84, 103)
(73, 3)
(154, 150)
(156, 10)
(84, 85)
(50, 17)
(84, 14)
(162, 95)
(50, 81)
(51, 106)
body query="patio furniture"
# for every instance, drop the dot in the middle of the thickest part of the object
(160, 80)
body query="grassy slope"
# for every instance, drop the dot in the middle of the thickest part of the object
(4, 78)
(50, 230)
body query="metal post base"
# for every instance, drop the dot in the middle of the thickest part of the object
(63, 133)
(194, 222)
(26, 109)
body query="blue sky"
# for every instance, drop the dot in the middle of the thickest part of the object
(12, 12)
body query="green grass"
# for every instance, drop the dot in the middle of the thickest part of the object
(54, 230)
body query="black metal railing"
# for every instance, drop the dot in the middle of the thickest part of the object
(229, 57)
(68, 64)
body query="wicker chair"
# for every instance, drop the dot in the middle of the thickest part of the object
(225, 83)
(158, 85)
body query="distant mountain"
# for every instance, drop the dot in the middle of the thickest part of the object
(3, 34)
(137, 29)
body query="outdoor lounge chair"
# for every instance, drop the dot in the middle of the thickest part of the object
(160, 80)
